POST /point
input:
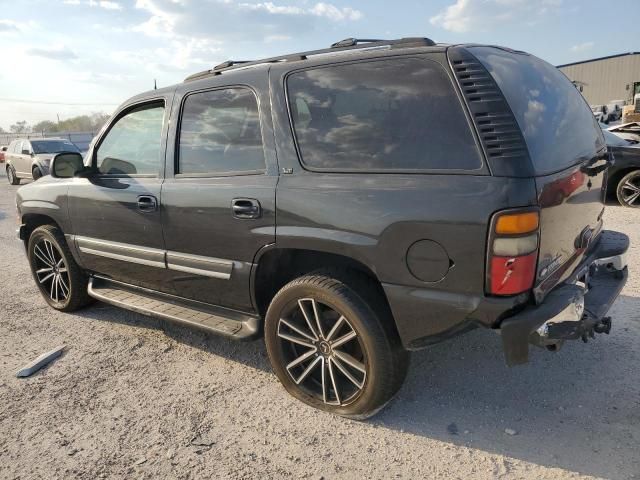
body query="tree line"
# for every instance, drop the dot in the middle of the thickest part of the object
(81, 123)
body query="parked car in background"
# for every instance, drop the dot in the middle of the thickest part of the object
(3, 149)
(31, 158)
(350, 204)
(624, 177)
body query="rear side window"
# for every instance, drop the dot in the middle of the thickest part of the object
(558, 125)
(220, 133)
(398, 114)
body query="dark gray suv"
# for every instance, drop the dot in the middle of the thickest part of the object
(349, 204)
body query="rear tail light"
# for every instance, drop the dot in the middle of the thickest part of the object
(513, 252)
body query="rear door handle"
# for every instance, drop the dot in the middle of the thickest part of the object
(147, 203)
(246, 208)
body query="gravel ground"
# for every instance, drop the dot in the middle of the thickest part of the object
(133, 397)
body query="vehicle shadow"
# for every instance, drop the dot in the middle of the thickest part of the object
(251, 353)
(578, 409)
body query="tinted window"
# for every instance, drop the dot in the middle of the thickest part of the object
(392, 114)
(53, 146)
(558, 125)
(133, 144)
(220, 133)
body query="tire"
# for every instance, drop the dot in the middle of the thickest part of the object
(628, 190)
(347, 308)
(36, 173)
(11, 176)
(63, 286)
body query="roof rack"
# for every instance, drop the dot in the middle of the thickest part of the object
(342, 45)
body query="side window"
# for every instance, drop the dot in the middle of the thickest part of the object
(398, 114)
(220, 133)
(133, 145)
(17, 148)
(26, 147)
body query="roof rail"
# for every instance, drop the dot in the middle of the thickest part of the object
(342, 45)
(350, 42)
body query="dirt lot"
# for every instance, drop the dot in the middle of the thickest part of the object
(133, 397)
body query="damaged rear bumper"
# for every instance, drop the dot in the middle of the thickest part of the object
(575, 309)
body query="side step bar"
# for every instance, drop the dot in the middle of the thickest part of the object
(218, 320)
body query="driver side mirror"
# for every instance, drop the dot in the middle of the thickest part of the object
(66, 165)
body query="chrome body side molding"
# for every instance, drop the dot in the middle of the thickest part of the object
(183, 262)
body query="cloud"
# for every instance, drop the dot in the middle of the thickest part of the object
(277, 38)
(194, 32)
(189, 18)
(106, 4)
(8, 26)
(582, 47)
(468, 15)
(334, 13)
(320, 9)
(53, 53)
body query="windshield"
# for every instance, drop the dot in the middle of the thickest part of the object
(558, 125)
(53, 146)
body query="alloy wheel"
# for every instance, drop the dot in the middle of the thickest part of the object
(630, 191)
(51, 270)
(322, 351)
(10, 175)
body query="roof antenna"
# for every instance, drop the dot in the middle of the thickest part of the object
(155, 87)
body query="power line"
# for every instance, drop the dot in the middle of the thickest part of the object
(44, 102)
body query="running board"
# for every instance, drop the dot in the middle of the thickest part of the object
(221, 321)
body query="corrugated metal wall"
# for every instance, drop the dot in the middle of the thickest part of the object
(607, 79)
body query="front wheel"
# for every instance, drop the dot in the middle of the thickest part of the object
(60, 280)
(628, 190)
(36, 173)
(11, 176)
(330, 349)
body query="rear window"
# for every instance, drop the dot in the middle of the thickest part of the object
(558, 125)
(398, 114)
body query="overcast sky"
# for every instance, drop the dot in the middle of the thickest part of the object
(83, 56)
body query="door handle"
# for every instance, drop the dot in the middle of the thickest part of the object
(246, 208)
(147, 203)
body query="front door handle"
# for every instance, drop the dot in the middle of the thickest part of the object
(147, 203)
(246, 208)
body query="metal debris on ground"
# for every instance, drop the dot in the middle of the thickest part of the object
(40, 362)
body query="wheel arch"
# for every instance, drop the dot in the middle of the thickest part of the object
(614, 180)
(275, 267)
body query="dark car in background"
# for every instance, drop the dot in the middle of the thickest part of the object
(349, 204)
(624, 176)
(31, 158)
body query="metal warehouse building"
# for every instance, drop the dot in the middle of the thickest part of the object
(601, 80)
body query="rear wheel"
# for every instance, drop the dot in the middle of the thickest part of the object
(628, 191)
(36, 173)
(60, 280)
(330, 349)
(11, 176)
